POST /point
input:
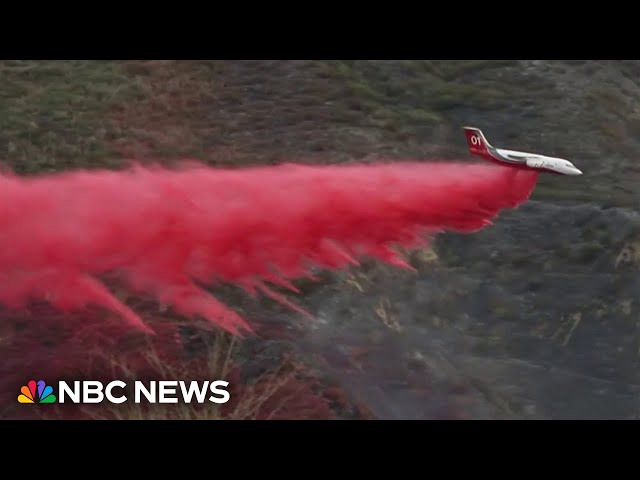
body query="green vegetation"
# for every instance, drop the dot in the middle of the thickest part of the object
(54, 115)
(67, 114)
(414, 94)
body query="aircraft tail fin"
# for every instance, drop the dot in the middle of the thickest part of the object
(478, 145)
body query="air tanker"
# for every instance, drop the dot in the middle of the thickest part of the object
(479, 146)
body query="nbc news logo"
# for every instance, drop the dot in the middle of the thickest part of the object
(93, 391)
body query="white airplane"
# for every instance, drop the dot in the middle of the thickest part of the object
(478, 145)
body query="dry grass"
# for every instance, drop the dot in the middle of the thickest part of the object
(249, 402)
(385, 311)
(287, 391)
(629, 255)
(217, 366)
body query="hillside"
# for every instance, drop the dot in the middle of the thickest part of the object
(534, 317)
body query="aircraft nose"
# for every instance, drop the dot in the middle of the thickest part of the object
(572, 170)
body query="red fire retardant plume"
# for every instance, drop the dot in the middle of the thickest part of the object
(166, 231)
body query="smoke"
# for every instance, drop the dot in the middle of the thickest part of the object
(166, 232)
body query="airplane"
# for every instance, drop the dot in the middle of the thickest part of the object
(479, 146)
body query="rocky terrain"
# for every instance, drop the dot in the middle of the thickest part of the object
(534, 317)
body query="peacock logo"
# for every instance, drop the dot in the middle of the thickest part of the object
(38, 392)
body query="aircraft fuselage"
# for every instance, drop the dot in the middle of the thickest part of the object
(479, 146)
